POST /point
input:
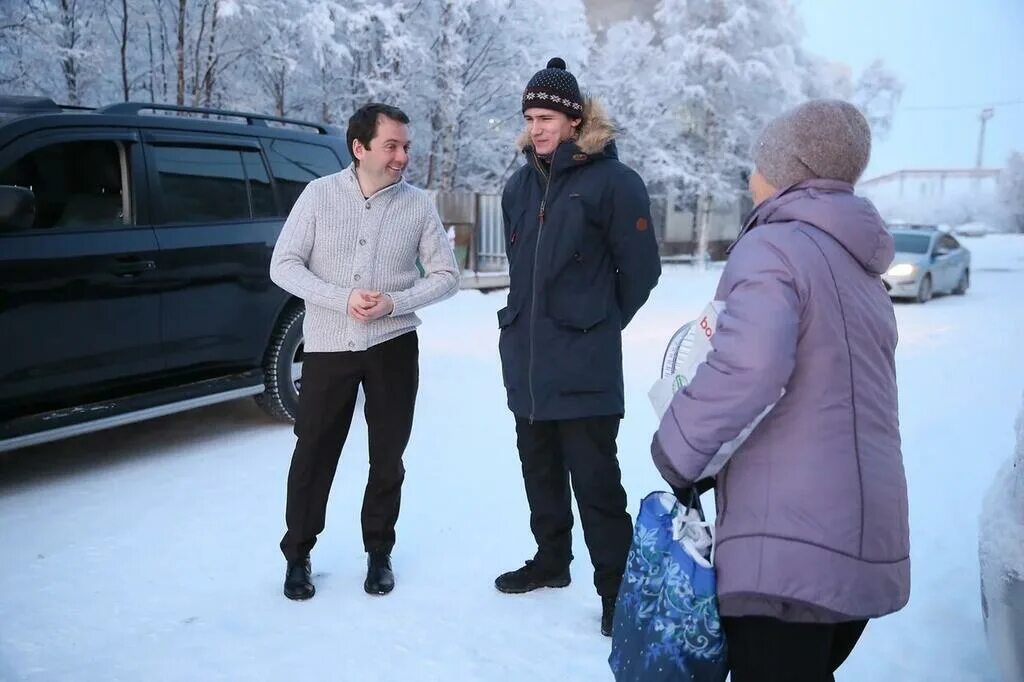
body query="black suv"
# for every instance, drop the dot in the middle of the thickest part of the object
(135, 244)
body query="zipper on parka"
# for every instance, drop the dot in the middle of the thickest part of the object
(533, 307)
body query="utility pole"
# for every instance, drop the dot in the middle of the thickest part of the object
(985, 115)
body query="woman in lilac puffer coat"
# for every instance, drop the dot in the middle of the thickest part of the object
(812, 529)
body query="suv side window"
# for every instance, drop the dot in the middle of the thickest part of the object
(294, 164)
(77, 184)
(949, 243)
(210, 184)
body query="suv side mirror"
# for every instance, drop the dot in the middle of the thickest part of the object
(17, 208)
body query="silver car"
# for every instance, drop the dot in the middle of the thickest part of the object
(928, 261)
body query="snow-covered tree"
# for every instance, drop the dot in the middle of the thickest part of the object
(877, 93)
(49, 46)
(1011, 192)
(507, 42)
(689, 89)
(627, 74)
(450, 75)
(117, 17)
(285, 42)
(824, 78)
(734, 65)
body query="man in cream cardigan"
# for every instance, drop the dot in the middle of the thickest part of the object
(349, 250)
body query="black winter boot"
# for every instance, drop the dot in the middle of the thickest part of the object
(607, 615)
(298, 582)
(529, 578)
(379, 577)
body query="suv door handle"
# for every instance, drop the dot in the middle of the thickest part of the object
(126, 267)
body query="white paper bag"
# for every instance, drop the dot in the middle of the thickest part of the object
(686, 351)
(688, 348)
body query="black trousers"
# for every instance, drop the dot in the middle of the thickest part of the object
(583, 451)
(389, 374)
(770, 650)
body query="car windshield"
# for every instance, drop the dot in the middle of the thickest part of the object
(912, 243)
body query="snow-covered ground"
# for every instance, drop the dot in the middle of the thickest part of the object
(150, 552)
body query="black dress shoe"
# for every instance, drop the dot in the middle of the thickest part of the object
(379, 577)
(298, 583)
(531, 577)
(607, 615)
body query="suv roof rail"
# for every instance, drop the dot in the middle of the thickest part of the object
(25, 104)
(132, 108)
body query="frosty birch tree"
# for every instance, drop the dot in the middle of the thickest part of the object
(627, 73)
(689, 89)
(189, 45)
(13, 26)
(1011, 191)
(449, 77)
(285, 42)
(877, 93)
(51, 48)
(505, 43)
(73, 20)
(736, 66)
(117, 17)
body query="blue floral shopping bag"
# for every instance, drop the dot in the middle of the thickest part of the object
(666, 624)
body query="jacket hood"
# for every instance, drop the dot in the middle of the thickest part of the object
(832, 207)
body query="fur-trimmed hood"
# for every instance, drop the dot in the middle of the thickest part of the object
(595, 132)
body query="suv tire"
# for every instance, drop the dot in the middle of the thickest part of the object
(282, 367)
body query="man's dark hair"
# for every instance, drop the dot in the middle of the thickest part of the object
(362, 125)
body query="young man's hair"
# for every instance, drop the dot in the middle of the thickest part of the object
(362, 125)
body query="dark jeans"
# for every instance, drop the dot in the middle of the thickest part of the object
(389, 374)
(583, 450)
(770, 650)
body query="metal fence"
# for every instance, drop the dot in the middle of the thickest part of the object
(490, 234)
(677, 233)
(479, 219)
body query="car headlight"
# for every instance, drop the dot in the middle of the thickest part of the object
(901, 270)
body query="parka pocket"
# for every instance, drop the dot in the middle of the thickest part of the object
(587, 210)
(581, 312)
(508, 346)
(507, 316)
(586, 344)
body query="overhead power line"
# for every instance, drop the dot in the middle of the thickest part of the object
(956, 107)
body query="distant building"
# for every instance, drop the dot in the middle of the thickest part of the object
(918, 194)
(603, 13)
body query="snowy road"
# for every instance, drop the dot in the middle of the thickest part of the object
(150, 552)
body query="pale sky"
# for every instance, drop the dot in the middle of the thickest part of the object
(953, 56)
